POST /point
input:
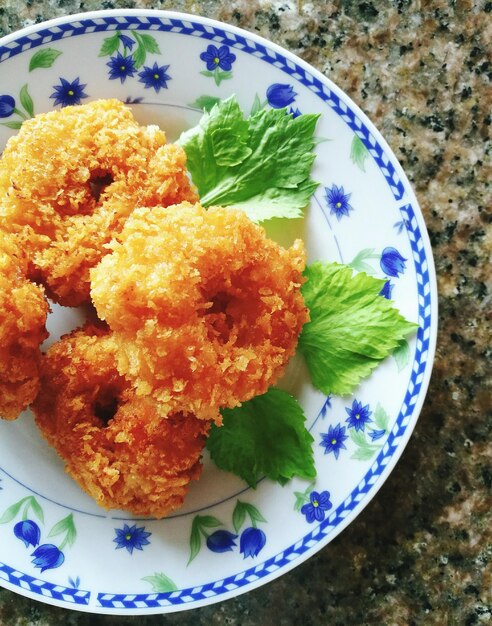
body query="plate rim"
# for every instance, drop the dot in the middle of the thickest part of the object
(432, 281)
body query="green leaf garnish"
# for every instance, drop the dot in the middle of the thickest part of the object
(43, 58)
(261, 164)
(265, 436)
(352, 327)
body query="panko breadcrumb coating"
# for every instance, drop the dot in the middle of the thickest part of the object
(205, 309)
(23, 311)
(115, 445)
(69, 179)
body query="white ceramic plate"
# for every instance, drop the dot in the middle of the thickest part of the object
(363, 212)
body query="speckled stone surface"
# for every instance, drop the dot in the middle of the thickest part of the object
(421, 552)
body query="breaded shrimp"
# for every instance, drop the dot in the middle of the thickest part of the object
(70, 178)
(23, 311)
(206, 310)
(114, 444)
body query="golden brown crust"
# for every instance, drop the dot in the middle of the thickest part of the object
(206, 309)
(23, 311)
(70, 178)
(115, 445)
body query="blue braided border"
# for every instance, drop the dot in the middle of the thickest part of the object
(235, 40)
(43, 588)
(249, 576)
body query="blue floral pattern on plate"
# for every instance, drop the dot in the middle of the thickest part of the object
(219, 63)
(333, 440)
(338, 201)
(392, 262)
(155, 77)
(315, 510)
(131, 538)
(157, 53)
(68, 93)
(47, 555)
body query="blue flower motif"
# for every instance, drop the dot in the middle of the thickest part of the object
(47, 556)
(251, 542)
(74, 583)
(317, 506)
(399, 226)
(120, 67)
(387, 290)
(28, 532)
(221, 541)
(338, 201)
(68, 93)
(126, 41)
(326, 405)
(131, 538)
(358, 415)
(294, 112)
(155, 77)
(392, 263)
(218, 58)
(7, 106)
(377, 434)
(280, 95)
(131, 100)
(333, 440)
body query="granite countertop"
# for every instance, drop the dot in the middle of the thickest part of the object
(421, 552)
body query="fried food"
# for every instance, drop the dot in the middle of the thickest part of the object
(115, 445)
(70, 178)
(205, 309)
(23, 311)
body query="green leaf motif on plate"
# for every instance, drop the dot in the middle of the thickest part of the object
(12, 125)
(26, 100)
(205, 103)
(160, 583)
(43, 58)
(358, 152)
(243, 510)
(358, 263)
(401, 354)
(27, 504)
(110, 45)
(65, 527)
(198, 530)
